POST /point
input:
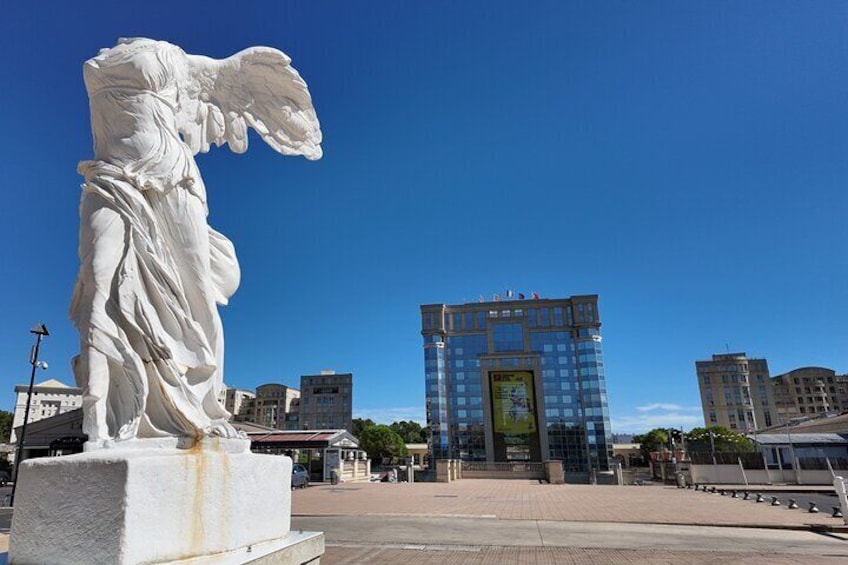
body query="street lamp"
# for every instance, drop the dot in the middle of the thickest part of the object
(40, 331)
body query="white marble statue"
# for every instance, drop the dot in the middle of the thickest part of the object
(153, 272)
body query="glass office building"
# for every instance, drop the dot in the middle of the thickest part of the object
(517, 380)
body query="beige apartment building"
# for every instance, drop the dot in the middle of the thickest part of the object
(809, 390)
(324, 402)
(736, 392)
(236, 401)
(49, 398)
(272, 406)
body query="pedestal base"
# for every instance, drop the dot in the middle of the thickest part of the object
(157, 505)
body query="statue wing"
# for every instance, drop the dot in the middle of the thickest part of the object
(256, 87)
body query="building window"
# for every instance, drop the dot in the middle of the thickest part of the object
(558, 321)
(508, 337)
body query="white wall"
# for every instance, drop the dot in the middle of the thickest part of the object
(732, 475)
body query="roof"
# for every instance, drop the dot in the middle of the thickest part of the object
(53, 383)
(252, 427)
(50, 384)
(63, 419)
(304, 439)
(41, 433)
(528, 301)
(799, 438)
(821, 423)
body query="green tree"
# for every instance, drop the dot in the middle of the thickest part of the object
(723, 440)
(410, 431)
(5, 426)
(359, 424)
(381, 442)
(654, 440)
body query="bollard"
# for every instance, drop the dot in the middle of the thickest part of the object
(712, 490)
(775, 501)
(747, 495)
(839, 485)
(813, 508)
(792, 504)
(734, 494)
(837, 512)
(696, 487)
(760, 498)
(723, 492)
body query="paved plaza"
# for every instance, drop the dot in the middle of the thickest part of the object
(529, 500)
(476, 522)
(488, 521)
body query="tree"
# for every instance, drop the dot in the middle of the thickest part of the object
(359, 424)
(5, 426)
(410, 431)
(381, 442)
(654, 440)
(723, 440)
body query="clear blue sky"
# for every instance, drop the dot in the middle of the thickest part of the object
(688, 162)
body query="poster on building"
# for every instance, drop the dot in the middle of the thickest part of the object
(513, 410)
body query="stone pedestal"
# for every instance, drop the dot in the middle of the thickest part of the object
(554, 473)
(443, 471)
(214, 503)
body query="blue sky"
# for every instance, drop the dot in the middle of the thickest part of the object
(685, 161)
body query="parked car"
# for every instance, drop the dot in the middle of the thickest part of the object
(300, 476)
(4, 478)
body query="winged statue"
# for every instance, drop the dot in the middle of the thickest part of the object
(152, 271)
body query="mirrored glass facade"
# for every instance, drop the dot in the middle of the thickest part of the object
(469, 351)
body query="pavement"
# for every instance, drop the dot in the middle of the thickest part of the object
(529, 500)
(500, 521)
(476, 522)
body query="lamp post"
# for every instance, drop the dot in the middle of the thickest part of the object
(40, 331)
(712, 445)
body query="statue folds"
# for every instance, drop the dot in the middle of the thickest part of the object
(152, 271)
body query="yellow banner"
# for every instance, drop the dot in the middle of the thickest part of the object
(513, 409)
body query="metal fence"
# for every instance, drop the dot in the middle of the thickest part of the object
(490, 467)
(749, 460)
(821, 463)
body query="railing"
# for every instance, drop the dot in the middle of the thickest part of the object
(752, 460)
(749, 468)
(823, 463)
(503, 468)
